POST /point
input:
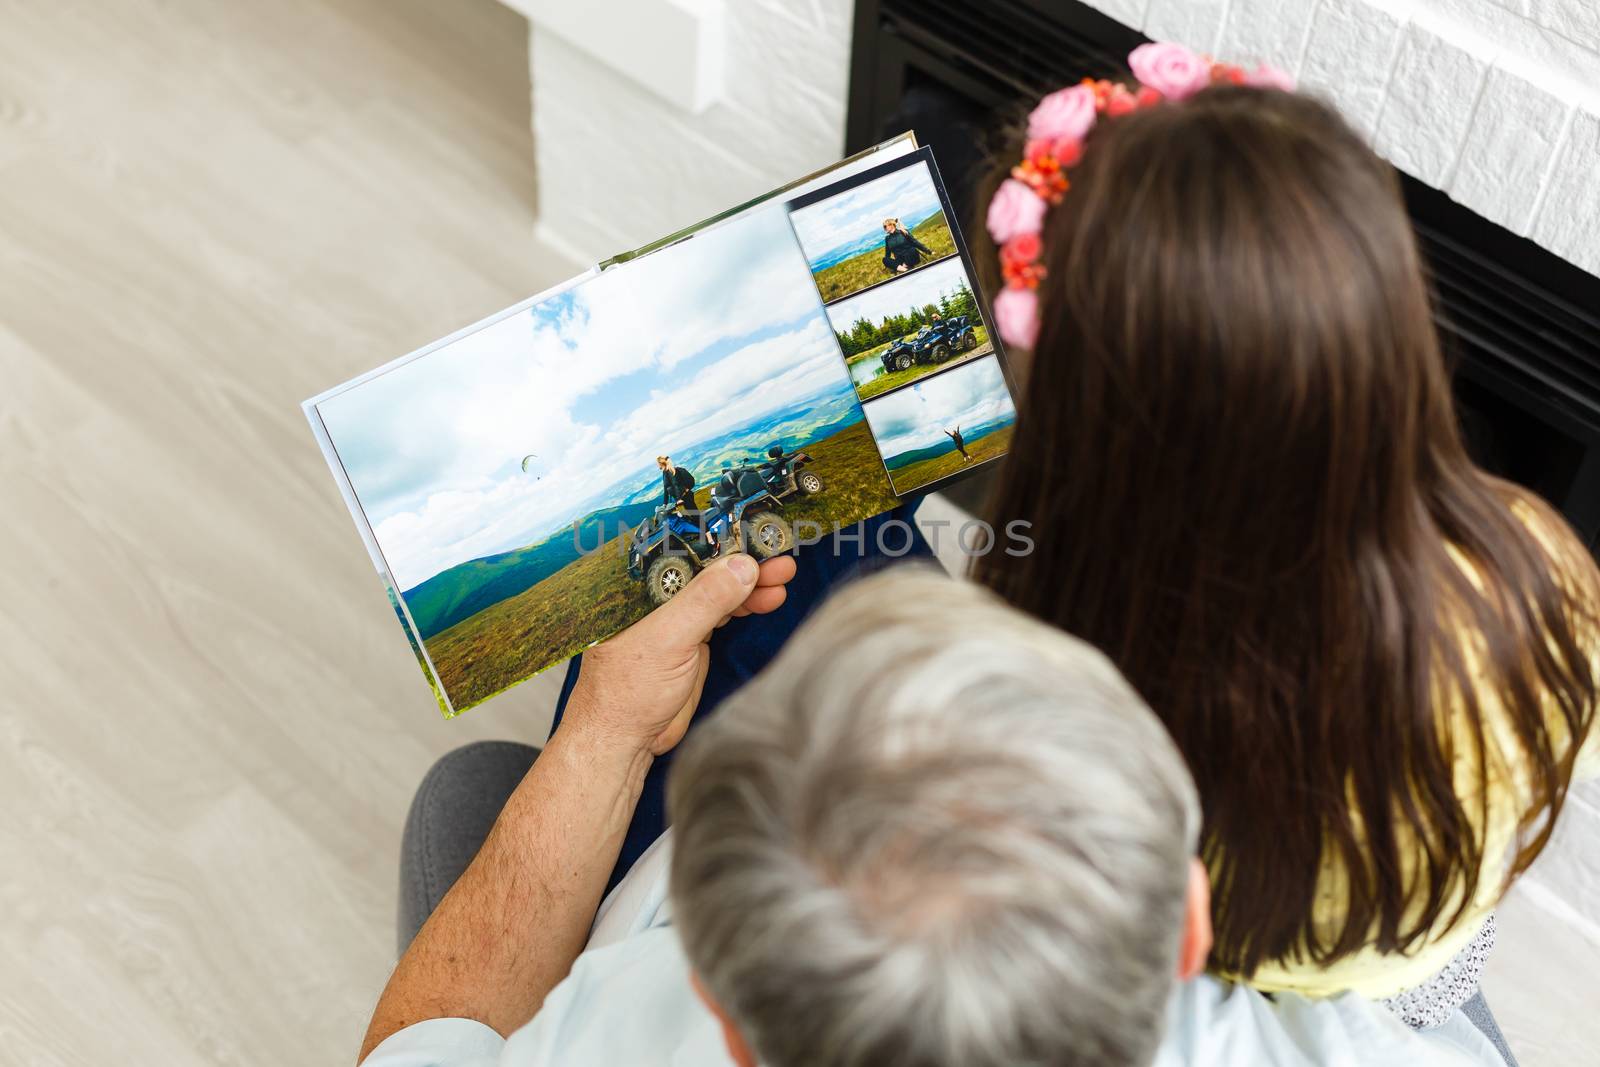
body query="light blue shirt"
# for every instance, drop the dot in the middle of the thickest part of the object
(628, 1001)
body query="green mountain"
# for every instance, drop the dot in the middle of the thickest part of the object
(467, 588)
(971, 437)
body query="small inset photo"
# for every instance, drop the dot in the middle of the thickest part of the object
(943, 425)
(895, 334)
(874, 232)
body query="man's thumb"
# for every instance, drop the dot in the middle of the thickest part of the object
(711, 597)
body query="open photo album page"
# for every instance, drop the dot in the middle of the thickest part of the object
(539, 481)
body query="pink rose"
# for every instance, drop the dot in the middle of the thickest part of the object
(1268, 77)
(1064, 115)
(1170, 69)
(1014, 209)
(1016, 313)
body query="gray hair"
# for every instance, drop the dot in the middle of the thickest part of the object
(934, 832)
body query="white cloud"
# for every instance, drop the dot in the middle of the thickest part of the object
(454, 525)
(842, 220)
(918, 416)
(433, 447)
(758, 378)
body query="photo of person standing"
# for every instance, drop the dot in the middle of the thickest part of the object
(677, 484)
(901, 251)
(677, 487)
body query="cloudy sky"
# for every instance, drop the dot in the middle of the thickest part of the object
(918, 416)
(650, 357)
(918, 287)
(831, 227)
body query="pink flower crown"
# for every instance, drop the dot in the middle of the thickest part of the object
(1056, 130)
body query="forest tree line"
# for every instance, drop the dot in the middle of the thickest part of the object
(863, 335)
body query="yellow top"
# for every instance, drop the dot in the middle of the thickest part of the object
(1376, 974)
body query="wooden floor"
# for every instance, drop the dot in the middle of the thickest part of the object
(211, 726)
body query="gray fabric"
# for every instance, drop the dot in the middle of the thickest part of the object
(1477, 1010)
(455, 807)
(1425, 1006)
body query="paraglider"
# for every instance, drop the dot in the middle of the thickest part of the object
(527, 463)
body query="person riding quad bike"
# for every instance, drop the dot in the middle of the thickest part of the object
(666, 549)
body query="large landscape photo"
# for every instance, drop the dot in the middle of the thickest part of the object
(504, 476)
(848, 244)
(944, 425)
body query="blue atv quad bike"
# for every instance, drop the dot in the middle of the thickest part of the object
(667, 548)
(934, 343)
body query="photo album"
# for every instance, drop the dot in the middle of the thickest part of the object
(535, 482)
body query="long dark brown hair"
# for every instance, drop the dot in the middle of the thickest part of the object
(1238, 452)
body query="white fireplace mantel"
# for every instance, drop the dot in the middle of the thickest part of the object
(1496, 102)
(674, 48)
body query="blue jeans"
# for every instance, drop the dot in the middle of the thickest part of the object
(740, 649)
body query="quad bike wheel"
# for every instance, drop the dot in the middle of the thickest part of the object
(766, 535)
(667, 577)
(903, 361)
(809, 483)
(970, 341)
(941, 352)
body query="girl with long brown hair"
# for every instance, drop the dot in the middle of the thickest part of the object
(1237, 450)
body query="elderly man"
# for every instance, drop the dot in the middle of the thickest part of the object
(887, 849)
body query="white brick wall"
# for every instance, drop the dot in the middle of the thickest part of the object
(1568, 219)
(1495, 101)
(1432, 100)
(619, 166)
(1510, 147)
(1357, 47)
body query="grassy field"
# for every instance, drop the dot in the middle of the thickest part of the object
(593, 596)
(869, 385)
(859, 271)
(931, 470)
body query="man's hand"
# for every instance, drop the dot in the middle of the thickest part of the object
(509, 930)
(901, 269)
(640, 689)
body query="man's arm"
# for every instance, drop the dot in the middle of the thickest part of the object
(511, 927)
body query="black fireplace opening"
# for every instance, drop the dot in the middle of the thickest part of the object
(1520, 324)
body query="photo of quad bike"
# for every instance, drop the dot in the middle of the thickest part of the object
(899, 333)
(742, 515)
(935, 342)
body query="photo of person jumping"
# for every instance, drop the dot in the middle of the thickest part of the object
(901, 251)
(960, 442)
(951, 421)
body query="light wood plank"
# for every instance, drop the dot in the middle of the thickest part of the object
(212, 725)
